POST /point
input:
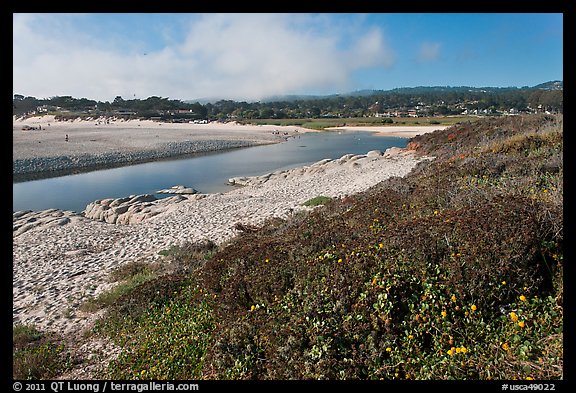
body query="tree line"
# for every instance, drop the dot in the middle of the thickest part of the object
(427, 101)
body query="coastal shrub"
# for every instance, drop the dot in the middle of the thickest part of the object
(188, 255)
(167, 339)
(317, 201)
(129, 276)
(36, 355)
(451, 272)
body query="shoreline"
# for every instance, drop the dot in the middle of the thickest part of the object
(53, 148)
(60, 265)
(44, 148)
(61, 259)
(50, 167)
(399, 131)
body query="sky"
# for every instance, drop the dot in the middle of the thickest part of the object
(250, 57)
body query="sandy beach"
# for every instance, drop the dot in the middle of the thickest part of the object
(400, 131)
(43, 147)
(63, 258)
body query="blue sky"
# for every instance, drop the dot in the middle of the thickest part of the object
(254, 56)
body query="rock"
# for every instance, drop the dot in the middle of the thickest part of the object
(374, 153)
(179, 189)
(23, 221)
(62, 221)
(119, 201)
(130, 210)
(239, 181)
(141, 198)
(344, 159)
(393, 152)
(20, 213)
(321, 162)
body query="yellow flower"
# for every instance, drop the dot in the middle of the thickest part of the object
(443, 313)
(435, 211)
(267, 260)
(458, 350)
(522, 298)
(410, 337)
(521, 324)
(388, 349)
(252, 307)
(513, 316)
(381, 245)
(505, 346)
(463, 349)
(473, 307)
(339, 260)
(529, 378)
(453, 298)
(450, 352)
(503, 282)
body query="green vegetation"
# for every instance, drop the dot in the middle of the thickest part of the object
(401, 104)
(454, 271)
(130, 276)
(35, 355)
(317, 201)
(321, 124)
(168, 339)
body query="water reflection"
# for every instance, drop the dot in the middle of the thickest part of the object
(206, 173)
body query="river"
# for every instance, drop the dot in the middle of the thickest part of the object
(207, 173)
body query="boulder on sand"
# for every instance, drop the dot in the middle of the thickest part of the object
(179, 189)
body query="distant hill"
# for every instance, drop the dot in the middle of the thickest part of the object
(551, 85)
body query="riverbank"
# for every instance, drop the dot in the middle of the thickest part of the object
(399, 131)
(59, 266)
(62, 261)
(44, 147)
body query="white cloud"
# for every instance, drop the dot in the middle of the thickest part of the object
(236, 56)
(429, 51)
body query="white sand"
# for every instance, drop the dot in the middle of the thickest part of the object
(401, 131)
(56, 268)
(119, 135)
(54, 146)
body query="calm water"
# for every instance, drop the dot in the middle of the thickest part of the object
(206, 173)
